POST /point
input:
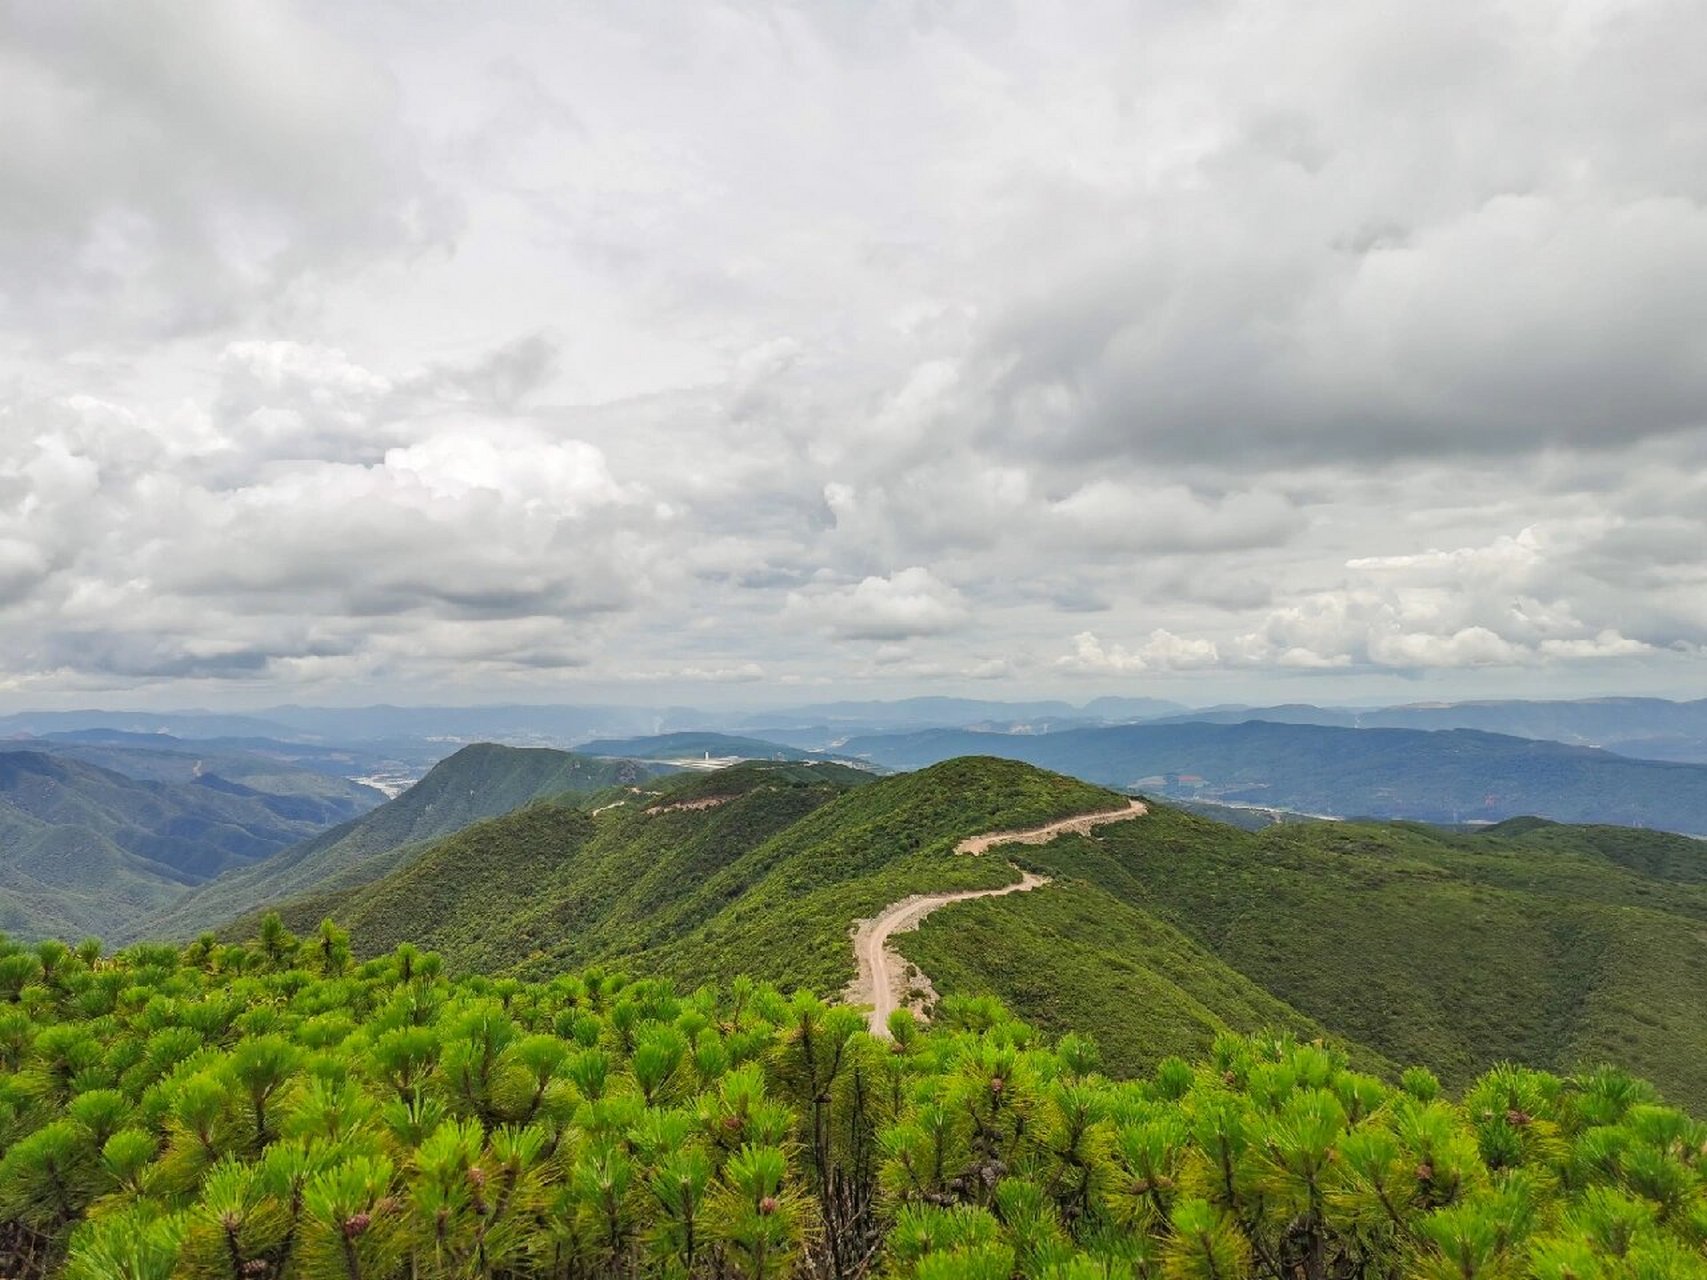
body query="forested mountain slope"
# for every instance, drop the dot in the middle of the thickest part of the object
(477, 782)
(1447, 776)
(757, 868)
(1543, 944)
(85, 849)
(1536, 942)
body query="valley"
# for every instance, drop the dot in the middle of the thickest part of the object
(484, 973)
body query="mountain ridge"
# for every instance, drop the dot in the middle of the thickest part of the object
(1449, 775)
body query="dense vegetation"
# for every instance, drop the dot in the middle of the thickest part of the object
(278, 1110)
(1534, 942)
(82, 846)
(1448, 776)
(477, 782)
(756, 869)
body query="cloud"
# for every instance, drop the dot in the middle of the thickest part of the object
(1132, 516)
(1516, 601)
(168, 166)
(1162, 651)
(291, 541)
(906, 603)
(1455, 254)
(899, 347)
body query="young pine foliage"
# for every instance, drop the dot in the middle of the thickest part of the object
(282, 1112)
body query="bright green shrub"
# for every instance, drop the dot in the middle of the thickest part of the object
(279, 1112)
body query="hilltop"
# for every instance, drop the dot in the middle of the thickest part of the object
(1538, 943)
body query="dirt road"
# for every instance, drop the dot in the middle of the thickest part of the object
(884, 977)
(1044, 834)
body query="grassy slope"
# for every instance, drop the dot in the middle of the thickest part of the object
(477, 782)
(1458, 951)
(770, 881)
(1073, 956)
(68, 882)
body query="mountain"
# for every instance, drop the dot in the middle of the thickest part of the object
(940, 712)
(158, 758)
(1442, 776)
(1532, 941)
(84, 848)
(530, 724)
(760, 869)
(1647, 728)
(477, 782)
(333, 760)
(187, 724)
(693, 745)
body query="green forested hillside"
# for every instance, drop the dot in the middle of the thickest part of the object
(84, 850)
(758, 869)
(1544, 945)
(477, 782)
(276, 1110)
(1539, 943)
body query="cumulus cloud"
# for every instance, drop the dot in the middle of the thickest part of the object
(168, 166)
(906, 603)
(1519, 599)
(901, 346)
(1161, 651)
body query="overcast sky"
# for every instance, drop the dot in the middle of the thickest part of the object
(710, 352)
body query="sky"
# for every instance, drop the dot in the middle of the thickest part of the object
(734, 351)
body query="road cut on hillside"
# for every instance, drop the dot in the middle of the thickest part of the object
(1081, 825)
(884, 977)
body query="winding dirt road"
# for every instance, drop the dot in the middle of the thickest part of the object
(885, 978)
(1080, 825)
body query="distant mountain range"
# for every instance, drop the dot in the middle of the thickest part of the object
(1445, 776)
(142, 816)
(691, 746)
(477, 782)
(84, 846)
(1649, 728)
